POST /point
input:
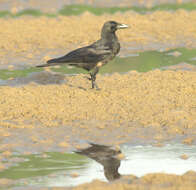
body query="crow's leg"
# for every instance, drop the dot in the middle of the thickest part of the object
(93, 78)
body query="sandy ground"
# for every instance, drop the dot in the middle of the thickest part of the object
(150, 181)
(154, 98)
(153, 107)
(30, 41)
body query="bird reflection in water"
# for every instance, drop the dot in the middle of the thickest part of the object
(107, 156)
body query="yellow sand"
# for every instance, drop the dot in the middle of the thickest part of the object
(30, 35)
(149, 181)
(157, 98)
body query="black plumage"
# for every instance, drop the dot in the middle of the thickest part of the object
(92, 57)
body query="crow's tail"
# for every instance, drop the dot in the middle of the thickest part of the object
(50, 62)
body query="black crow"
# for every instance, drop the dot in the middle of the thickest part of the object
(92, 57)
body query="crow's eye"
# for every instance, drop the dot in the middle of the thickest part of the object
(113, 27)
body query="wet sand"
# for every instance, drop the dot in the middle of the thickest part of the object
(158, 181)
(150, 181)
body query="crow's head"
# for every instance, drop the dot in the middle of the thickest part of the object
(112, 26)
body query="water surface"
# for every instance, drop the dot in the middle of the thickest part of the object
(70, 169)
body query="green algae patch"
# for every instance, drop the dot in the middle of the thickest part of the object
(8, 74)
(79, 9)
(43, 164)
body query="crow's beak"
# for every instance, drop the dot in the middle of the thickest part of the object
(121, 26)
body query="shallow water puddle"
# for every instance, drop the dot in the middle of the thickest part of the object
(69, 169)
(172, 158)
(149, 60)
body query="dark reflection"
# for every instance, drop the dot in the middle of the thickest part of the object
(106, 156)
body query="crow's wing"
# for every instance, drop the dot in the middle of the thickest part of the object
(88, 54)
